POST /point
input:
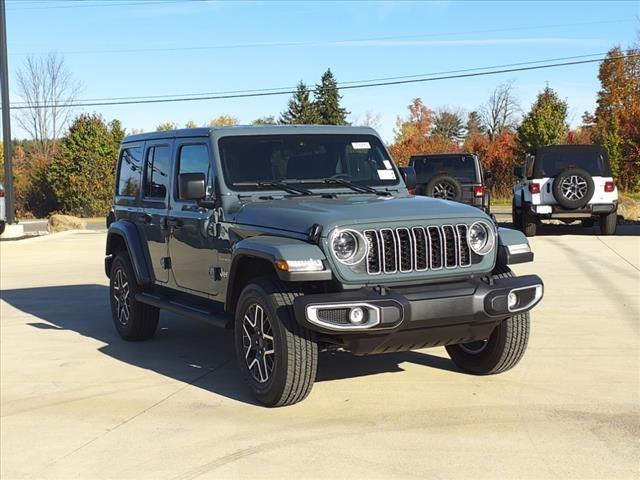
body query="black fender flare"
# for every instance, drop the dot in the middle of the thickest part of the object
(125, 231)
(271, 248)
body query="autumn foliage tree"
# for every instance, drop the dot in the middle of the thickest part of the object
(617, 115)
(414, 134)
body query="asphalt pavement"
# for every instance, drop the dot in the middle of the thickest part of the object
(78, 402)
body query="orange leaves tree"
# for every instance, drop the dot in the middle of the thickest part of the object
(618, 114)
(413, 134)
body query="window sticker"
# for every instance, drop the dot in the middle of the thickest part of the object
(387, 164)
(386, 175)
(360, 145)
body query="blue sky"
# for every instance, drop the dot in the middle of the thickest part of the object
(239, 45)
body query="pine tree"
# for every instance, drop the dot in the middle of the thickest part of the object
(301, 110)
(474, 124)
(327, 101)
(546, 123)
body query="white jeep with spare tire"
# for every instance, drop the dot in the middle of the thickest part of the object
(567, 183)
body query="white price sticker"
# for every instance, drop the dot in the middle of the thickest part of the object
(386, 175)
(360, 145)
(387, 164)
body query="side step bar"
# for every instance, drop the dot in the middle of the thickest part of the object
(220, 320)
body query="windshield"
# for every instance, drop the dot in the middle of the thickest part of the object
(460, 167)
(305, 159)
(550, 162)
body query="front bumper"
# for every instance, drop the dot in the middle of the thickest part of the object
(416, 317)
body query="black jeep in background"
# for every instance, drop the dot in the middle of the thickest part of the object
(452, 176)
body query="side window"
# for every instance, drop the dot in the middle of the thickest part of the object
(130, 171)
(529, 166)
(156, 177)
(195, 159)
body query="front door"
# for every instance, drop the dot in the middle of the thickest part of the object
(155, 205)
(193, 242)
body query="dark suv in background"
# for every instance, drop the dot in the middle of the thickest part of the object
(452, 176)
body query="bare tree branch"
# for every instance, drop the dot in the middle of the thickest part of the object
(46, 81)
(501, 110)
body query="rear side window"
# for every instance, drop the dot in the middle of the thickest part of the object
(130, 171)
(157, 171)
(195, 159)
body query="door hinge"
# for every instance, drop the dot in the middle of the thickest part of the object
(166, 263)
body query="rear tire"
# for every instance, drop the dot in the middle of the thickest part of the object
(502, 350)
(278, 357)
(608, 223)
(516, 215)
(133, 320)
(529, 223)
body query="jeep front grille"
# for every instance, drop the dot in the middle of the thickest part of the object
(417, 249)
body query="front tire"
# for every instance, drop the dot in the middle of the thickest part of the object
(277, 357)
(133, 320)
(608, 223)
(501, 351)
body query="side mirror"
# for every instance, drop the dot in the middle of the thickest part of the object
(409, 176)
(488, 175)
(517, 171)
(191, 186)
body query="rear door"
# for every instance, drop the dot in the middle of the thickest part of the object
(152, 219)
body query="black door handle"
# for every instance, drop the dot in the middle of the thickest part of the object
(173, 222)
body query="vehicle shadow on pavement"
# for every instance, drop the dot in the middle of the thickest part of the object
(188, 351)
(627, 229)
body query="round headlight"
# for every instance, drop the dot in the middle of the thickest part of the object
(348, 246)
(480, 238)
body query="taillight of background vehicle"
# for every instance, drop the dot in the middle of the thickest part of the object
(1, 192)
(609, 186)
(478, 190)
(534, 187)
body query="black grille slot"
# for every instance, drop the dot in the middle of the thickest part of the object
(417, 249)
(373, 259)
(465, 253)
(435, 240)
(337, 316)
(389, 250)
(451, 246)
(420, 246)
(405, 250)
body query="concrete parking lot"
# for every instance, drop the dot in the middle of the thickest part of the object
(78, 402)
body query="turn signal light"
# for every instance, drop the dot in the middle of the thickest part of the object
(534, 187)
(609, 186)
(478, 191)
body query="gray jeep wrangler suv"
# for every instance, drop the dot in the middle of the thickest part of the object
(303, 239)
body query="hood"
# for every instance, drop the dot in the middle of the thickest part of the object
(298, 214)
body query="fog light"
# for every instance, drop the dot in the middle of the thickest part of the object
(512, 300)
(356, 316)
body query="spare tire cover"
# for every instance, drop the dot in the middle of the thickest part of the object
(445, 187)
(573, 188)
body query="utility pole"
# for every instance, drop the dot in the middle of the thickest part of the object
(6, 117)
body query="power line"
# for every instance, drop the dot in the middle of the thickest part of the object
(331, 43)
(78, 4)
(340, 84)
(347, 87)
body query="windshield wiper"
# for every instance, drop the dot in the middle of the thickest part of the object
(354, 187)
(286, 188)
